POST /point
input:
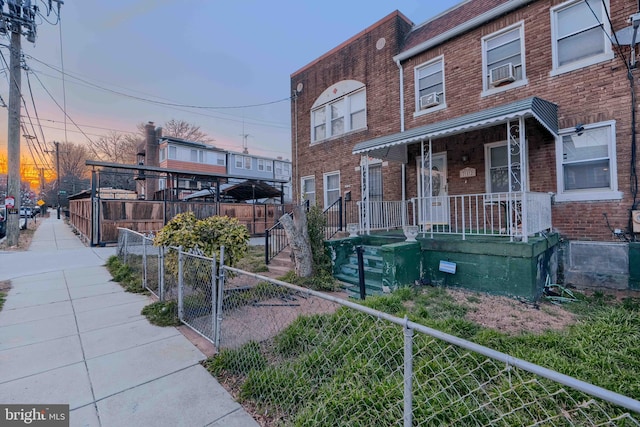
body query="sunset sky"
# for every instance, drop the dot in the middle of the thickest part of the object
(122, 58)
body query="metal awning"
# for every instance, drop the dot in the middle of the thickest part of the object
(247, 190)
(393, 146)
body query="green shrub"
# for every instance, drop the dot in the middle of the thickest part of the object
(240, 361)
(207, 235)
(162, 313)
(125, 275)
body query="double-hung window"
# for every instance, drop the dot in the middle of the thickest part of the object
(308, 185)
(579, 31)
(331, 188)
(586, 163)
(503, 59)
(497, 164)
(430, 85)
(340, 115)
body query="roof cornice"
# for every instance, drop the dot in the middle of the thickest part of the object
(462, 28)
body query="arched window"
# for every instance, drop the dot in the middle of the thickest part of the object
(340, 109)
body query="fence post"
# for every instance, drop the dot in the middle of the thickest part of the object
(408, 374)
(126, 248)
(220, 296)
(161, 273)
(266, 246)
(340, 210)
(214, 303)
(180, 283)
(360, 254)
(144, 262)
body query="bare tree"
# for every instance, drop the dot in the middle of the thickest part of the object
(185, 130)
(74, 174)
(296, 229)
(116, 147)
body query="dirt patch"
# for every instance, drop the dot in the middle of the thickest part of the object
(512, 316)
(24, 238)
(5, 286)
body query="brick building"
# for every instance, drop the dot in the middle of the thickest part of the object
(430, 112)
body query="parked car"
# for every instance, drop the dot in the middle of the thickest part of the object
(3, 222)
(26, 212)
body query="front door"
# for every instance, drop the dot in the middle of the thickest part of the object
(433, 209)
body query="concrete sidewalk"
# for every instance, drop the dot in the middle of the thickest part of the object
(69, 335)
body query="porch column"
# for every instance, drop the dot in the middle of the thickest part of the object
(524, 187)
(404, 195)
(424, 199)
(365, 213)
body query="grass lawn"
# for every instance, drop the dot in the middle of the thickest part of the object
(345, 368)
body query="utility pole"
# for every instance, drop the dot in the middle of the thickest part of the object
(58, 175)
(13, 138)
(17, 19)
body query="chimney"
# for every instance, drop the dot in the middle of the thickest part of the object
(151, 157)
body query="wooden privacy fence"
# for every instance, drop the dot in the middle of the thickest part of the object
(98, 222)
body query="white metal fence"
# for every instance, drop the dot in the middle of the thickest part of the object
(516, 214)
(383, 215)
(300, 357)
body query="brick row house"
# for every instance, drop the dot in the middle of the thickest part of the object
(504, 123)
(208, 166)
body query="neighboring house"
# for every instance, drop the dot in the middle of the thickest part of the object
(417, 123)
(175, 153)
(261, 168)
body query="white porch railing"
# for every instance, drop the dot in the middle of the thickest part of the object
(384, 215)
(516, 214)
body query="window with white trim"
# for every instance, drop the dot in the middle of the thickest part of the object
(265, 165)
(579, 31)
(243, 162)
(214, 158)
(587, 166)
(308, 186)
(429, 80)
(331, 187)
(340, 116)
(375, 182)
(173, 153)
(163, 154)
(503, 58)
(497, 166)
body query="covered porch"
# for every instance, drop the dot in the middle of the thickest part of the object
(438, 202)
(468, 196)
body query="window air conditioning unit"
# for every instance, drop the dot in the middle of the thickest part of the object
(429, 100)
(501, 74)
(636, 221)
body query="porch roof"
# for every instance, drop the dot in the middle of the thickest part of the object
(388, 146)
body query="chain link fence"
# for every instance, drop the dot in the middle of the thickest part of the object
(300, 357)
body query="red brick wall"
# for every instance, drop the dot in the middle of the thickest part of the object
(358, 60)
(592, 94)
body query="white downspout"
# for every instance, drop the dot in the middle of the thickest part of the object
(401, 95)
(404, 165)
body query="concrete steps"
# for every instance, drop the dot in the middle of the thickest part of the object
(281, 264)
(373, 263)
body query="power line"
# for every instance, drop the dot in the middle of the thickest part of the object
(176, 106)
(166, 103)
(230, 118)
(62, 109)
